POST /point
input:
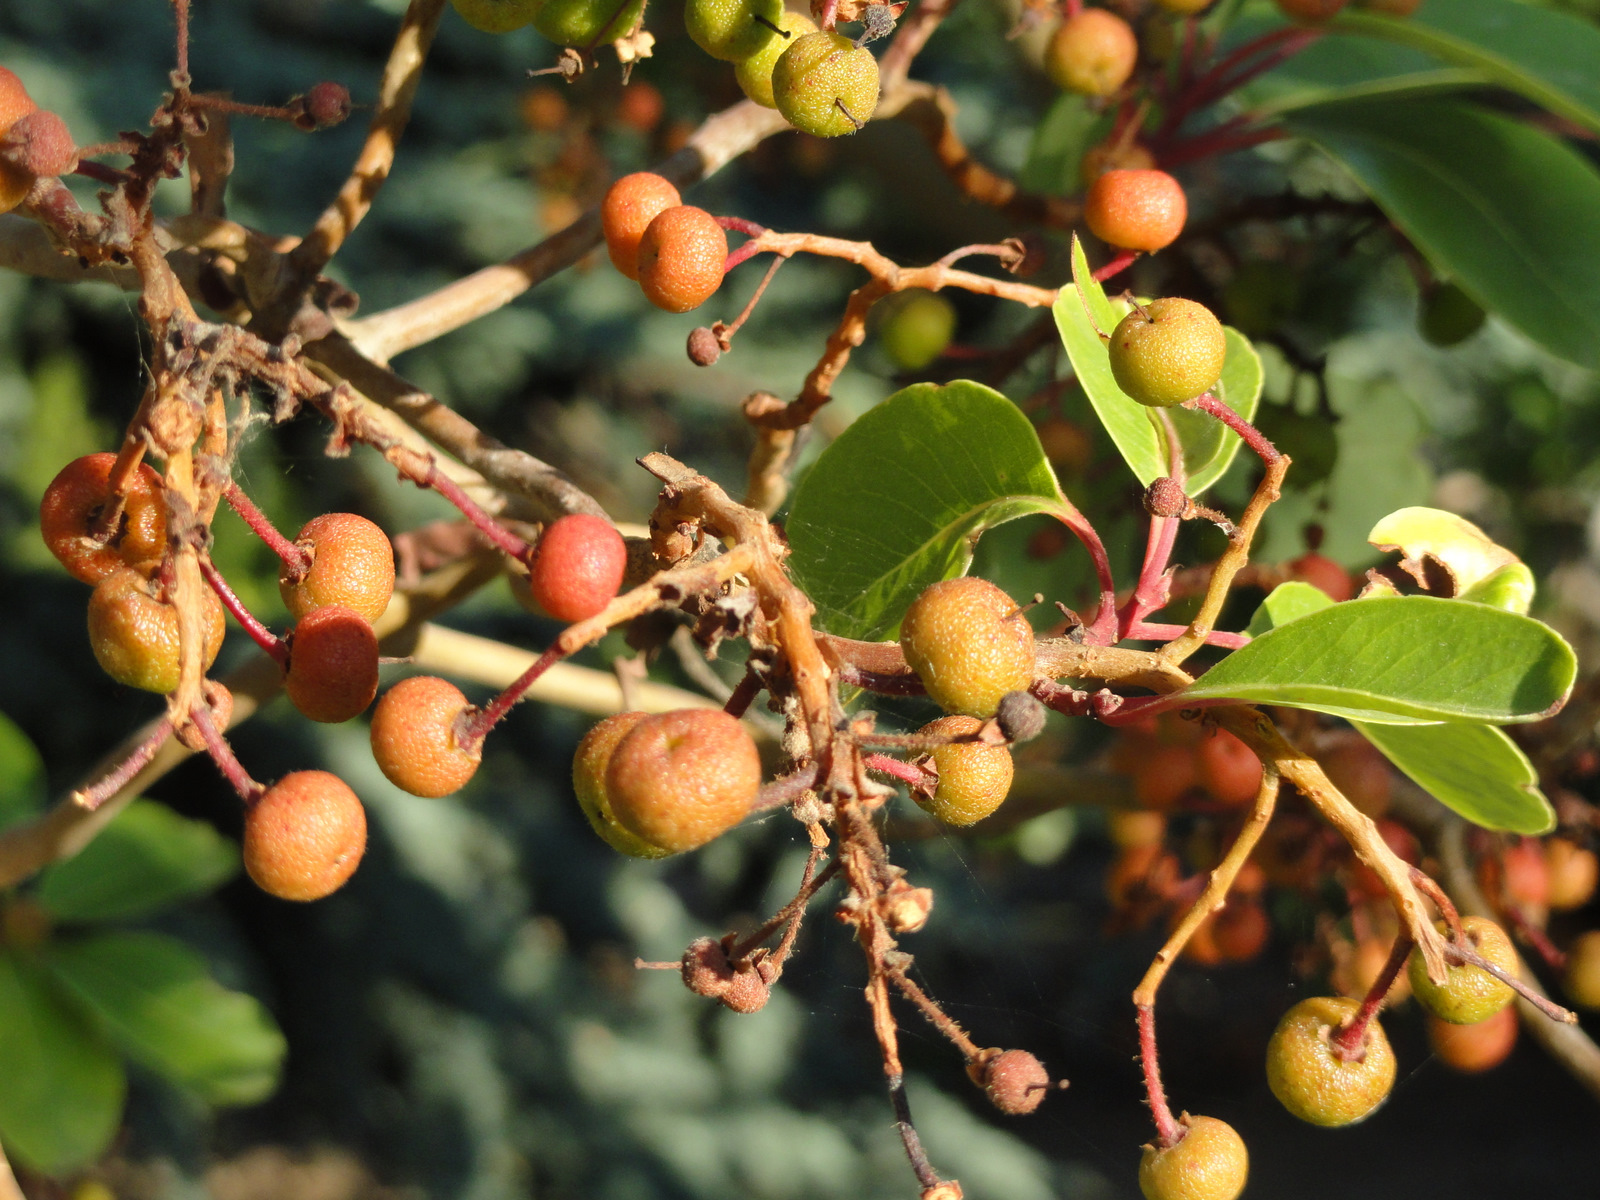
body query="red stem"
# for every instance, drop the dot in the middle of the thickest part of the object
(1102, 631)
(1212, 145)
(94, 796)
(1168, 1134)
(499, 535)
(1232, 72)
(748, 689)
(1153, 590)
(296, 559)
(747, 251)
(181, 11)
(1252, 436)
(259, 633)
(908, 773)
(222, 754)
(1349, 1042)
(1121, 262)
(1143, 631)
(475, 726)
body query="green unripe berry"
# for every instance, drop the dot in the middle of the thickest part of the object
(824, 85)
(755, 72)
(918, 329)
(973, 778)
(586, 22)
(1168, 351)
(1469, 994)
(732, 30)
(497, 16)
(1448, 316)
(589, 781)
(1210, 1162)
(969, 644)
(1311, 1080)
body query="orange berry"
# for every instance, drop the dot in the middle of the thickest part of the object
(1164, 775)
(589, 781)
(974, 779)
(133, 631)
(577, 566)
(1573, 872)
(1228, 769)
(680, 779)
(1093, 52)
(305, 836)
(1474, 1048)
(414, 737)
(969, 645)
(681, 256)
(1135, 827)
(15, 103)
(1358, 769)
(1582, 978)
(1322, 572)
(352, 564)
(75, 499)
(1136, 210)
(332, 673)
(1241, 930)
(628, 208)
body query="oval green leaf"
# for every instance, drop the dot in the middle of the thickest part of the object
(1474, 769)
(897, 501)
(1505, 210)
(147, 858)
(157, 999)
(1402, 660)
(1287, 602)
(1082, 311)
(63, 1085)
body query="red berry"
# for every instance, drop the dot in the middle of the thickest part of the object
(15, 103)
(414, 737)
(75, 499)
(1229, 769)
(681, 257)
(352, 564)
(332, 673)
(1164, 775)
(627, 210)
(1015, 1082)
(305, 836)
(1136, 210)
(577, 566)
(1322, 572)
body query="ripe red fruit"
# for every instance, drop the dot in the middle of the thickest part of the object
(682, 778)
(414, 737)
(1474, 1048)
(1136, 210)
(577, 566)
(305, 836)
(133, 631)
(332, 673)
(1322, 572)
(74, 501)
(681, 257)
(1209, 1163)
(1228, 769)
(628, 208)
(1092, 52)
(352, 564)
(969, 644)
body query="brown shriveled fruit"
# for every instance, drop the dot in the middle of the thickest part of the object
(75, 499)
(1313, 1082)
(305, 836)
(969, 644)
(589, 781)
(352, 563)
(974, 779)
(414, 738)
(577, 566)
(1015, 1082)
(1092, 53)
(628, 208)
(133, 631)
(1471, 1049)
(681, 257)
(1470, 994)
(39, 145)
(1208, 1163)
(1136, 210)
(332, 673)
(680, 779)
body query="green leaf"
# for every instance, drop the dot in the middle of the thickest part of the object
(1474, 769)
(1505, 210)
(1548, 56)
(1402, 660)
(1208, 447)
(897, 501)
(1510, 588)
(1287, 602)
(160, 1004)
(63, 1087)
(1466, 552)
(22, 784)
(1067, 129)
(147, 858)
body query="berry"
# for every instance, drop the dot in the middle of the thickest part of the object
(824, 84)
(681, 257)
(1241, 930)
(1573, 871)
(1323, 573)
(1128, 827)
(1311, 1080)
(332, 673)
(733, 30)
(1582, 978)
(133, 631)
(414, 737)
(1474, 1048)
(589, 781)
(577, 566)
(969, 644)
(586, 23)
(40, 145)
(682, 778)
(1114, 154)
(352, 563)
(1228, 769)
(1169, 351)
(1208, 1163)
(973, 778)
(1092, 53)
(641, 106)
(755, 72)
(1311, 11)
(1517, 876)
(1163, 775)
(497, 16)
(305, 836)
(917, 330)
(327, 104)
(1358, 769)
(1469, 994)
(1136, 210)
(1015, 1082)
(75, 499)
(15, 103)
(628, 208)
